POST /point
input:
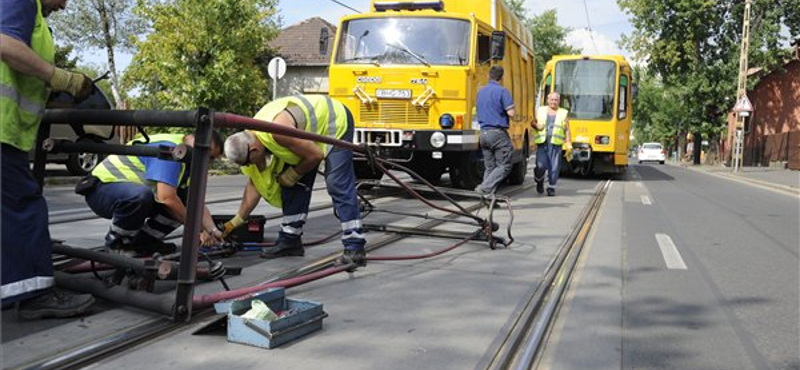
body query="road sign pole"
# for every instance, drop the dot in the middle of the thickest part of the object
(741, 88)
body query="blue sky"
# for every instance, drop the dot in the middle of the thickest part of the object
(607, 22)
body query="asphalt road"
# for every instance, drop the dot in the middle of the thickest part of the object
(685, 271)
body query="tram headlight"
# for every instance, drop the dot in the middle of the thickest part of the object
(438, 140)
(602, 139)
(447, 121)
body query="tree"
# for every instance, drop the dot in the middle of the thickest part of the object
(548, 39)
(693, 46)
(203, 53)
(103, 24)
(62, 59)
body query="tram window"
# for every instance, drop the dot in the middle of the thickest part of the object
(623, 97)
(484, 48)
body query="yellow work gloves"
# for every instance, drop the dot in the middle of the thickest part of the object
(76, 84)
(231, 225)
(288, 177)
(568, 153)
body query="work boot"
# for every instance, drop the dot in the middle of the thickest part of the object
(551, 192)
(481, 192)
(55, 303)
(354, 257)
(540, 187)
(284, 248)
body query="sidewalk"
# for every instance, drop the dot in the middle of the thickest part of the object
(778, 179)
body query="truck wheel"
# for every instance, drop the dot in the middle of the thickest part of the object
(467, 172)
(518, 172)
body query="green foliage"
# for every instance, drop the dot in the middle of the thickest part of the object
(62, 59)
(203, 53)
(98, 24)
(691, 49)
(549, 39)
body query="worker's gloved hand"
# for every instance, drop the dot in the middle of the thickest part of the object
(76, 84)
(568, 152)
(231, 225)
(288, 178)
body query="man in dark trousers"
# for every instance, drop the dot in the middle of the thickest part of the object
(495, 107)
(552, 125)
(27, 75)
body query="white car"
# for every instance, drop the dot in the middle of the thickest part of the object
(652, 152)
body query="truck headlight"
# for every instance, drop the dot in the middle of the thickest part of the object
(438, 140)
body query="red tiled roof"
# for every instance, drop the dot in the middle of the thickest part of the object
(299, 44)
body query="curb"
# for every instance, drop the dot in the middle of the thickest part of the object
(751, 181)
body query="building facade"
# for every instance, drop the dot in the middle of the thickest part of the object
(306, 47)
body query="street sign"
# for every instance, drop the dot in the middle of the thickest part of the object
(276, 68)
(743, 105)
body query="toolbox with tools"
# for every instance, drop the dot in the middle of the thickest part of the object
(251, 232)
(288, 319)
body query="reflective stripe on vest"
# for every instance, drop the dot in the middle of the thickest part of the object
(23, 97)
(129, 168)
(317, 109)
(558, 126)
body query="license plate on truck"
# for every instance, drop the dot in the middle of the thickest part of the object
(393, 93)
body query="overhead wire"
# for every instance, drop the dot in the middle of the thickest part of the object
(589, 28)
(345, 5)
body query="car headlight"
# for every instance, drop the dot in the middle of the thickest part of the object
(438, 140)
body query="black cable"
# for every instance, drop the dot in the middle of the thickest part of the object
(346, 6)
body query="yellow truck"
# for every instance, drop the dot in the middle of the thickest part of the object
(409, 71)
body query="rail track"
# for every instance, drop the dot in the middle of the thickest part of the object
(517, 350)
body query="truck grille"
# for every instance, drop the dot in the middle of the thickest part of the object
(391, 112)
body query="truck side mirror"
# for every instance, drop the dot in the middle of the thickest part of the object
(498, 45)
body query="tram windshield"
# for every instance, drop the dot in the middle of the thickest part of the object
(586, 88)
(407, 40)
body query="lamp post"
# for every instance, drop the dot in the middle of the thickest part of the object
(741, 91)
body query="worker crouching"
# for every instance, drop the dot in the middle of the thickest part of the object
(281, 169)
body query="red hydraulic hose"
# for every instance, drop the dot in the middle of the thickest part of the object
(206, 300)
(426, 255)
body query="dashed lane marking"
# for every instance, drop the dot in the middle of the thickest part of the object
(646, 200)
(671, 255)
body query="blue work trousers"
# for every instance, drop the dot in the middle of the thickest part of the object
(136, 216)
(341, 185)
(497, 149)
(26, 249)
(548, 159)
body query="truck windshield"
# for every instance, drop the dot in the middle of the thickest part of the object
(586, 88)
(407, 40)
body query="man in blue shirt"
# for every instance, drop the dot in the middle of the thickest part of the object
(144, 197)
(495, 107)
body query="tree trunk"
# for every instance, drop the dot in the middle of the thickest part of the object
(112, 66)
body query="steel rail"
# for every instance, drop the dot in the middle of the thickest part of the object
(520, 347)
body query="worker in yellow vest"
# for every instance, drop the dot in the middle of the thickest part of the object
(552, 125)
(27, 75)
(282, 169)
(145, 196)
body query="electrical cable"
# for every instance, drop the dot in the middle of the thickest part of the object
(345, 5)
(589, 28)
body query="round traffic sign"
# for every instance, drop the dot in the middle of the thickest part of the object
(276, 68)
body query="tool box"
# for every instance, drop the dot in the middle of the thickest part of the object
(296, 319)
(251, 232)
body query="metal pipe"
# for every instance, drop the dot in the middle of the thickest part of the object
(194, 214)
(154, 118)
(162, 304)
(107, 258)
(246, 123)
(178, 153)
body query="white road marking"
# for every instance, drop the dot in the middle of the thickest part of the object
(646, 200)
(671, 255)
(639, 184)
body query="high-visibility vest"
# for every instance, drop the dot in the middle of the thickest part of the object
(324, 116)
(558, 126)
(22, 97)
(129, 168)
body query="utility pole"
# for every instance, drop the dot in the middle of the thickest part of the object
(741, 91)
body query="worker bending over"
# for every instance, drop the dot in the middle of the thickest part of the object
(145, 197)
(281, 169)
